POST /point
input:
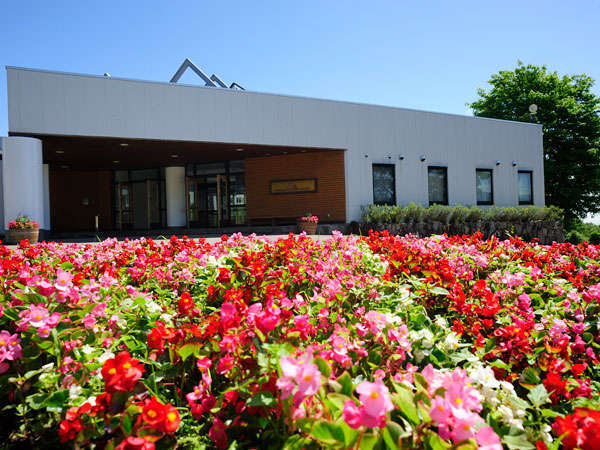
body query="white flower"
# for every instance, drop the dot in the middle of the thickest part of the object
(87, 349)
(419, 354)
(153, 307)
(451, 342)
(441, 322)
(104, 356)
(484, 376)
(74, 391)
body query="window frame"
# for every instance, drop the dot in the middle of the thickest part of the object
(393, 167)
(447, 194)
(491, 172)
(530, 172)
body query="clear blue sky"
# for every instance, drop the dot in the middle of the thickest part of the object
(431, 56)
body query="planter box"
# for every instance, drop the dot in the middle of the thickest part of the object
(308, 227)
(15, 236)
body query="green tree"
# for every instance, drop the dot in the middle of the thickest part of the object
(569, 112)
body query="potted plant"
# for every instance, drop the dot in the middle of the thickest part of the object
(308, 224)
(23, 227)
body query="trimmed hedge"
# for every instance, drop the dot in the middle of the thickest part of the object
(543, 223)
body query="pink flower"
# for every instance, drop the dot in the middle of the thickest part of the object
(217, 433)
(63, 280)
(9, 346)
(89, 321)
(375, 398)
(38, 317)
(225, 364)
(440, 410)
(308, 378)
(228, 313)
(351, 414)
(487, 439)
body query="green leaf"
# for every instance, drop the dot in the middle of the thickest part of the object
(435, 442)
(391, 435)
(66, 266)
(538, 395)
(369, 441)
(296, 442)
(323, 367)
(420, 381)
(338, 400)
(405, 402)
(519, 442)
(187, 350)
(437, 290)
(328, 433)
(262, 398)
(346, 381)
(529, 378)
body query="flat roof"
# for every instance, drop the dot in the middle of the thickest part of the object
(247, 91)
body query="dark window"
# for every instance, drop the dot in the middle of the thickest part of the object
(525, 187)
(438, 185)
(485, 186)
(384, 184)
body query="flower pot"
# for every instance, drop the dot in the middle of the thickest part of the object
(16, 235)
(308, 227)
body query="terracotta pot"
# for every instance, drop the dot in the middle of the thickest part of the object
(309, 227)
(15, 235)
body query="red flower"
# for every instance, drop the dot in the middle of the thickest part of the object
(556, 386)
(185, 304)
(172, 419)
(217, 433)
(135, 443)
(224, 275)
(153, 413)
(580, 429)
(69, 429)
(161, 417)
(121, 373)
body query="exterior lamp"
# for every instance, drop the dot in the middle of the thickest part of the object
(533, 108)
(366, 155)
(514, 163)
(389, 157)
(400, 157)
(422, 158)
(498, 162)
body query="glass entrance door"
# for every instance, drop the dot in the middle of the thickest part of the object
(153, 204)
(207, 202)
(125, 206)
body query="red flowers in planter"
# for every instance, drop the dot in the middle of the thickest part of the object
(121, 373)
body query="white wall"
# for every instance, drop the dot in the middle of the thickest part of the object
(23, 179)
(69, 104)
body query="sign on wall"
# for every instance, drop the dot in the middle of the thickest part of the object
(294, 186)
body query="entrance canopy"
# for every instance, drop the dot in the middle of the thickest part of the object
(77, 152)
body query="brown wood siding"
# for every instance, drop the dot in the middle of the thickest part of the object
(69, 188)
(329, 202)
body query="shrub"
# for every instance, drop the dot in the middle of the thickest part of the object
(575, 237)
(595, 238)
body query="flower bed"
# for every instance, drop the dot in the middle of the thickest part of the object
(375, 342)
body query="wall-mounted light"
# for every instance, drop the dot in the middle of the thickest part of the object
(389, 157)
(239, 149)
(116, 161)
(60, 152)
(422, 158)
(124, 144)
(400, 157)
(366, 155)
(497, 163)
(514, 163)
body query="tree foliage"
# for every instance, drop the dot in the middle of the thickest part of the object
(569, 111)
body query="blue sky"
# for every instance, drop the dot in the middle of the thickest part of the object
(430, 56)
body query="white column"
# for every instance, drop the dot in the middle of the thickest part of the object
(46, 196)
(23, 179)
(175, 190)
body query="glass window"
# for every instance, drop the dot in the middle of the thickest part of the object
(384, 184)
(525, 187)
(438, 185)
(484, 186)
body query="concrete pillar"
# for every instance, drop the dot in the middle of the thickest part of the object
(47, 196)
(175, 190)
(23, 179)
